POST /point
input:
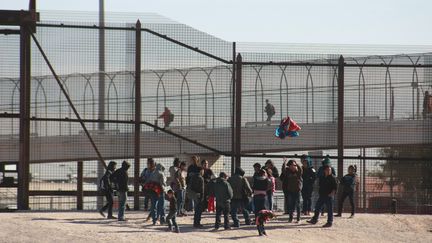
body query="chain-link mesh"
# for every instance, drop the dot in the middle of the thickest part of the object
(190, 73)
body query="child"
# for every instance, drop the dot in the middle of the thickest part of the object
(327, 190)
(262, 217)
(348, 183)
(171, 218)
(271, 190)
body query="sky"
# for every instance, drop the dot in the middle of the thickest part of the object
(399, 22)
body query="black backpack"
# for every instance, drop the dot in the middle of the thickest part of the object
(103, 187)
(171, 117)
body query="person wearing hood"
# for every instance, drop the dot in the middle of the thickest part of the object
(120, 177)
(107, 189)
(320, 173)
(223, 193)
(309, 177)
(241, 194)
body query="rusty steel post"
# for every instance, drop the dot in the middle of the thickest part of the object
(340, 125)
(24, 128)
(137, 113)
(238, 105)
(233, 109)
(80, 192)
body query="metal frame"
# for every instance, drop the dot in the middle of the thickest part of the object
(27, 22)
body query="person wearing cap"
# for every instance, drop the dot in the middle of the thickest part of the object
(121, 178)
(320, 173)
(309, 177)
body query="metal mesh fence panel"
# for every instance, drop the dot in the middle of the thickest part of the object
(191, 73)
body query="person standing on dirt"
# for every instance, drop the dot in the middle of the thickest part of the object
(292, 183)
(269, 110)
(106, 188)
(309, 176)
(327, 191)
(167, 117)
(348, 184)
(223, 193)
(120, 177)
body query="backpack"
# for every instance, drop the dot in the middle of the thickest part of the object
(103, 187)
(272, 111)
(171, 117)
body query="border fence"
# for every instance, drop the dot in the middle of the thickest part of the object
(65, 109)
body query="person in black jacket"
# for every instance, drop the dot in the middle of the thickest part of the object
(327, 190)
(309, 176)
(261, 184)
(292, 180)
(348, 183)
(120, 177)
(107, 190)
(195, 192)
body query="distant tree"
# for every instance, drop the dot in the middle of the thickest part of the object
(413, 175)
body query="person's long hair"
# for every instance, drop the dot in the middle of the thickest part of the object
(195, 160)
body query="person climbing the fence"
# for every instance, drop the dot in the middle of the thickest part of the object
(269, 110)
(167, 117)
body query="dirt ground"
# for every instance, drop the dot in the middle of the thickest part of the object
(91, 227)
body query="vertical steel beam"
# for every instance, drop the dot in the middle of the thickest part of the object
(80, 192)
(101, 88)
(137, 150)
(24, 133)
(340, 125)
(233, 109)
(238, 110)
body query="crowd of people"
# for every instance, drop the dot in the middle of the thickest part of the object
(196, 188)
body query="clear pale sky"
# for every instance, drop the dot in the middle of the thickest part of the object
(301, 21)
